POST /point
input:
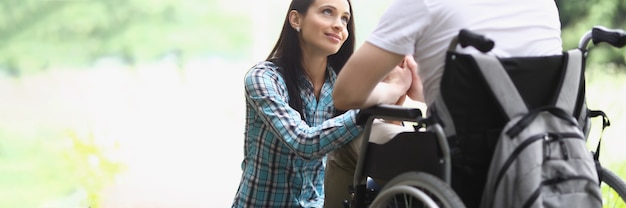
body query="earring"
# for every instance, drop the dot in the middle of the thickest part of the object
(298, 29)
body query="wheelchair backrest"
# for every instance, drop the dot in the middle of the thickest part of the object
(467, 106)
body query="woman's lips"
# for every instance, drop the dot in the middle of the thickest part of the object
(334, 37)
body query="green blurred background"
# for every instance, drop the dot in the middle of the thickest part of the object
(139, 103)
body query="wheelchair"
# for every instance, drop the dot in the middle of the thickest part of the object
(417, 167)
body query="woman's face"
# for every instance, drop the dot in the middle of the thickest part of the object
(324, 28)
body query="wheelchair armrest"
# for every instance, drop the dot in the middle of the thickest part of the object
(387, 111)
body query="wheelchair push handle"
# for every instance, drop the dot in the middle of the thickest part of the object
(600, 34)
(615, 37)
(480, 42)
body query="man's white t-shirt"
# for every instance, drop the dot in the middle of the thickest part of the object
(425, 29)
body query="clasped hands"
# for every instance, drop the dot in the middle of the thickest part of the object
(404, 77)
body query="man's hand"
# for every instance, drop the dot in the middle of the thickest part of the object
(415, 90)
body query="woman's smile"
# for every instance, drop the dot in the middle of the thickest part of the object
(333, 37)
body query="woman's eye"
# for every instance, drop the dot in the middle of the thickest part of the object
(327, 12)
(345, 20)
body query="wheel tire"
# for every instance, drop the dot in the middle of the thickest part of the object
(615, 183)
(423, 182)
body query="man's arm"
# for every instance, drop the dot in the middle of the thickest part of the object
(360, 83)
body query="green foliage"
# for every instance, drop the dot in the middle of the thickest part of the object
(603, 82)
(32, 169)
(39, 34)
(577, 17)
(572, 12)
(47, 168)
(91, 167)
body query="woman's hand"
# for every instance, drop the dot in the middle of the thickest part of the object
(400, 77)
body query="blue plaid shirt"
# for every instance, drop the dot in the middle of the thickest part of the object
(285, 156)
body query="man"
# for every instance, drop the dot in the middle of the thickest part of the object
(425, 29)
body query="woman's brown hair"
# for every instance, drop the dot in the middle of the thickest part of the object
(287, 53)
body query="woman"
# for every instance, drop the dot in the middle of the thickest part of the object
(291, 123)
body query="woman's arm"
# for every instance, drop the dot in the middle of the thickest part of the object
(266, 94)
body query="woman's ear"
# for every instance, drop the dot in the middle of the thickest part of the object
(294, 20)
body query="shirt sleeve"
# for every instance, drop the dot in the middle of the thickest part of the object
(400, 26)
(266, 92)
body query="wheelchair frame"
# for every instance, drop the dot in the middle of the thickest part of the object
(423, 185)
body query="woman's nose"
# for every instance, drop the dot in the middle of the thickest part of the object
(338, 24)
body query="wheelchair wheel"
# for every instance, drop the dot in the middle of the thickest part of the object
(613, 189)
(417, 189)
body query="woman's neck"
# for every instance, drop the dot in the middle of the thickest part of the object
(315, 69)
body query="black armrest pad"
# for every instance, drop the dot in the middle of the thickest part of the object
(388, 111)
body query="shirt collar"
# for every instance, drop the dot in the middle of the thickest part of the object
(330, 76)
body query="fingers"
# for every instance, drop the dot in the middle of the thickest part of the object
(410, 63)
(415, 91)
(403, 63)
(401, 100)
(404, 77)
